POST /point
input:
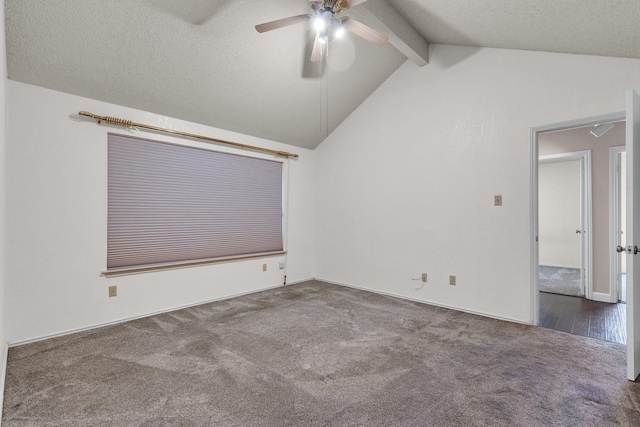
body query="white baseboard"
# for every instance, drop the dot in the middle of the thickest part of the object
(600, 297)
(127, 319)
(3, 376)
(299, 281)
(423, 301)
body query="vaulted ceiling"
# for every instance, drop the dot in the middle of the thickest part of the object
(203, 61)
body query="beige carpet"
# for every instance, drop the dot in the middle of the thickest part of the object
(319, 355)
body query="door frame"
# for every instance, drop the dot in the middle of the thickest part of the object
(615, 195)
(586, 228)
(533, 183)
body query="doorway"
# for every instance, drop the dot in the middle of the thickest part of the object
(576, 292)
(564, 212)
(596, 288)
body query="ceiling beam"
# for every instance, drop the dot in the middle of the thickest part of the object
(385, 18)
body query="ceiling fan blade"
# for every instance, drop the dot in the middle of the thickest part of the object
(318, 49)
(279, 23)
(364, 31)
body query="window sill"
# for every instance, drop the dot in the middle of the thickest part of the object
(185, 264)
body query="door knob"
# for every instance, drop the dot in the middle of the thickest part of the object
(628, 249)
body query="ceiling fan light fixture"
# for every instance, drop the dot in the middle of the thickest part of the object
(319, 23)
(600, 129)
(338, 30)
(325, 19)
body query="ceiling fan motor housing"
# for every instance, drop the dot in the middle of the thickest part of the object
(326, 15)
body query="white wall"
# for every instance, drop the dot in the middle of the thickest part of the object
(57, 212)
(559, 213)
(406, 183)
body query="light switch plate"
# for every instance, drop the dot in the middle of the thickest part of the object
(264, 267)
(452, 280)
(113, 291)
(497, 200)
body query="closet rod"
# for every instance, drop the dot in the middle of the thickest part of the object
(130, 124)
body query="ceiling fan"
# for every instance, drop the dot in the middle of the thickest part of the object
(325, 19)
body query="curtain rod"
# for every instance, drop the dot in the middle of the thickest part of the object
(130, 124)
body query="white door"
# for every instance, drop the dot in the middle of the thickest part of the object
(633, 235)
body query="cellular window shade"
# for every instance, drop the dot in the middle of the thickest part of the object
(169, 203)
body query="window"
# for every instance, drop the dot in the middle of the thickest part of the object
(172, 204)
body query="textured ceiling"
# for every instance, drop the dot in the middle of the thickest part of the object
(203, 61)
(589, 27)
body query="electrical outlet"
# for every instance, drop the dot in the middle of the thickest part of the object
(424, 277)
(497, 200)
(113, 291)
(264, 267)
(452, 280)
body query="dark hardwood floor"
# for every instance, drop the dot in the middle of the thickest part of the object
(580, 316)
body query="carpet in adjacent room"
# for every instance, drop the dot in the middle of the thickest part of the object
(560, 280)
